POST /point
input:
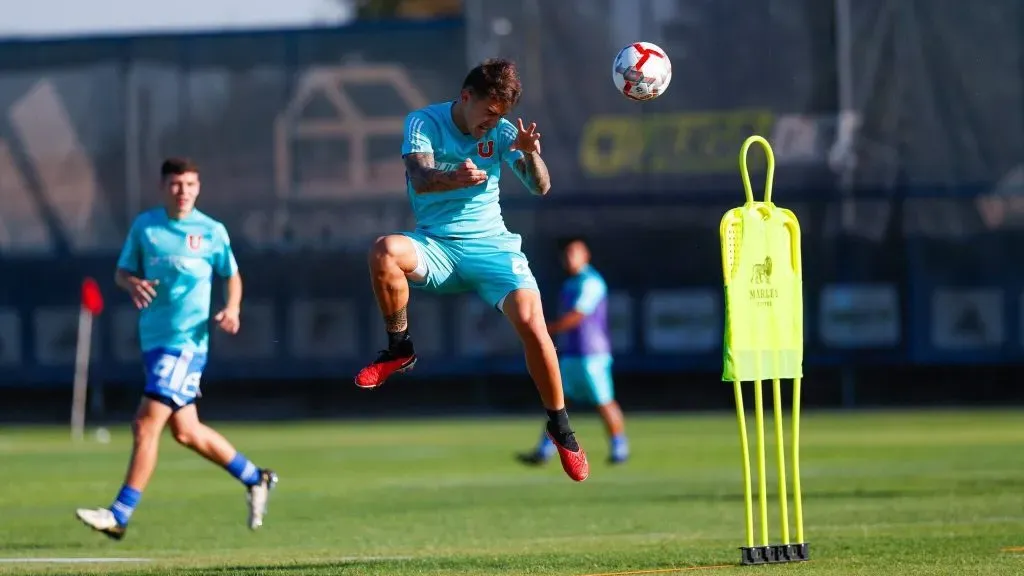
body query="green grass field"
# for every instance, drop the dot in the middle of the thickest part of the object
(884, 494)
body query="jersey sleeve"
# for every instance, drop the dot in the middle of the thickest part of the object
(507, 133)
(420, 134)
(591, 292)
(131, 253)
(224, 263)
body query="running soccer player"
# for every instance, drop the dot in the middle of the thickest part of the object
(585, 346)
(167, 267)
(453, 152)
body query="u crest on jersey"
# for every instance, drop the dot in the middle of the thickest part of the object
(194, 242)
(485, 149)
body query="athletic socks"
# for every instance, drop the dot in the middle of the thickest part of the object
(124, 505)
(128, 498)
(245, 471)
(398, 340)
(558, 422)
(400, 344)
(619, 447)
(558, 426)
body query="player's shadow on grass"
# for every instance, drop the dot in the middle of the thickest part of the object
(855, 494)
(25, 546)
(738, 496)
(966, 487)
(979, 485)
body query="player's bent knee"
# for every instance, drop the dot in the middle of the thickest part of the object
(524, 310)
(392, 254)
(186, 428)
(381, 251)
(184, 437)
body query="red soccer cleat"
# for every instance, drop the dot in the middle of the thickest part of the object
(574, 463)
(386, 364)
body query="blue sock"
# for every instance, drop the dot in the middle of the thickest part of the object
(545, 447)
(240, 467)
(619, 446)
(125, 503)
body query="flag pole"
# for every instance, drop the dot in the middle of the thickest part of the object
(81, 381)
(91, 306)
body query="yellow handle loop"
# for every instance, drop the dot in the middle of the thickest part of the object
(746, 174)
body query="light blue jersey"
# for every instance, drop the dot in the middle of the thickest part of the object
(468, 212)
(182, 255)
(460, 238)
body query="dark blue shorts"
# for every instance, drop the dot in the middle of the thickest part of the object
(172, 376)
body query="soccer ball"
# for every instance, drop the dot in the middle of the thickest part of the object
(642, 71)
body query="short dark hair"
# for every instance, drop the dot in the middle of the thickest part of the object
(565, 241)
(177, 166)
(496, 78)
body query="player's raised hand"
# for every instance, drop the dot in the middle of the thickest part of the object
(142, 292)
(468, 174)
(528, 139)
(228, 320)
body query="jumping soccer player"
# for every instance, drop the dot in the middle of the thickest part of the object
(585, 346)
(167, 267)
(453, 153)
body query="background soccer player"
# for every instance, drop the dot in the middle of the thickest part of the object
(585, 347)
(453, 153)
(167, 267)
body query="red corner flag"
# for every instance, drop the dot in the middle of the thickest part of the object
(92, 305)
(92, 299)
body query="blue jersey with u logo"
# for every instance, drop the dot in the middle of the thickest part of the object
(471, 212)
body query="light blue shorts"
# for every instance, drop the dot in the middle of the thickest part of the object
(588, 379)
(493, 267)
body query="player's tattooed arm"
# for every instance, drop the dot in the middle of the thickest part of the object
(425, 178)
(533, 172)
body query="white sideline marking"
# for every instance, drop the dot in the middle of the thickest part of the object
(68, 560)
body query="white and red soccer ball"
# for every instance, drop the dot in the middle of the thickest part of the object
(642, 71)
